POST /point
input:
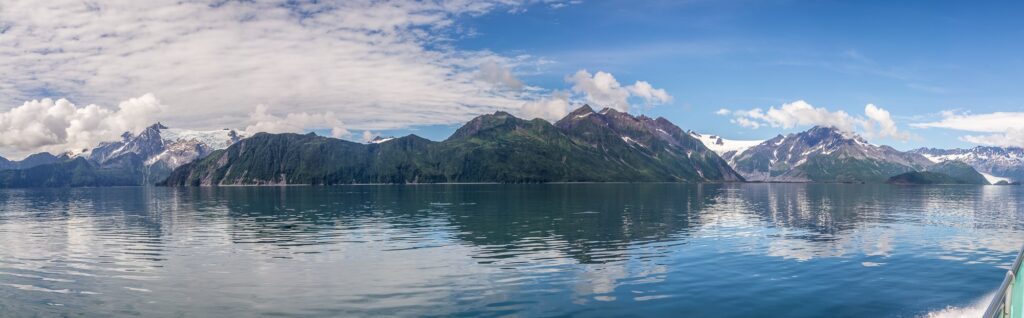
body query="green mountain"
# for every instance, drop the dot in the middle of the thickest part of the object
(42, 158)
(948, 172)
(586, 146)
(960, 171)
(924, 177)
(78, 172)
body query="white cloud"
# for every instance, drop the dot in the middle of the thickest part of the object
(649, 94)
(991, 122)
(876, 122)
(58, 126)
(603, 90)
(743, 121)
(800, 113)
(498, 75)
(550, 108)
(263, 121)
(384, 64)
(1004, 128)
(880, 123)
(1011, 138)
(369, 135)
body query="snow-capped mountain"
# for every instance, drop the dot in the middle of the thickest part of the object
(722, 146)
(159, 149)
(184, 146)
(158, 144)
(995, 162)
(144, 158)
(823, 154)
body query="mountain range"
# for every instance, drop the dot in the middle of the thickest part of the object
(137, 159)
(38, 159)
(996, 163)
(584, 146)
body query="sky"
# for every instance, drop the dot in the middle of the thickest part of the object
(907, 74)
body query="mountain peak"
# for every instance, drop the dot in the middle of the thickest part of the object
(582, 111)
(821, 154)
(820, 129)
(608, 111)
(486, 122)
(829, 134)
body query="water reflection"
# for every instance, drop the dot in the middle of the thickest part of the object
(577, 249)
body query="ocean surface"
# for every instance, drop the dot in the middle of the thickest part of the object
(588, 250)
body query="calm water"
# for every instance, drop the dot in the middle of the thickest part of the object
(739, 250)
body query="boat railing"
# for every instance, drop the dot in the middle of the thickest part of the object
(1002, 302)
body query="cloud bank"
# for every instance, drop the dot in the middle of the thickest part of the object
(381, 64)
(262, 121)
(58, 126)
(1004, 129)
(876, 122)
(337, 65)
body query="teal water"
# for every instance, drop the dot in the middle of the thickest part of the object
(712, 250)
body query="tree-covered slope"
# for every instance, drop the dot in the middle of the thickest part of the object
(74, 173)
(924, 177)
(948, 172)
(960, 171)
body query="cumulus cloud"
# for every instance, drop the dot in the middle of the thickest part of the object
(550, 108)
(1004, 128)
(876, 122)
(297, 122)
(798, 113)
(880, 123)
(58, 126)
(385, 64)
(649, 94)
(603, 90)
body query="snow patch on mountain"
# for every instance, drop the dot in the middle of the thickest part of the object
(783, 158)
(216, 139)
(182, 146)
(994, 179)
(721, 146)
(380, 140)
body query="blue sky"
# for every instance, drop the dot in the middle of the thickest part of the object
(915, 59)
(937, 73)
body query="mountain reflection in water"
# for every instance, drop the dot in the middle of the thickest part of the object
(795, 250)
